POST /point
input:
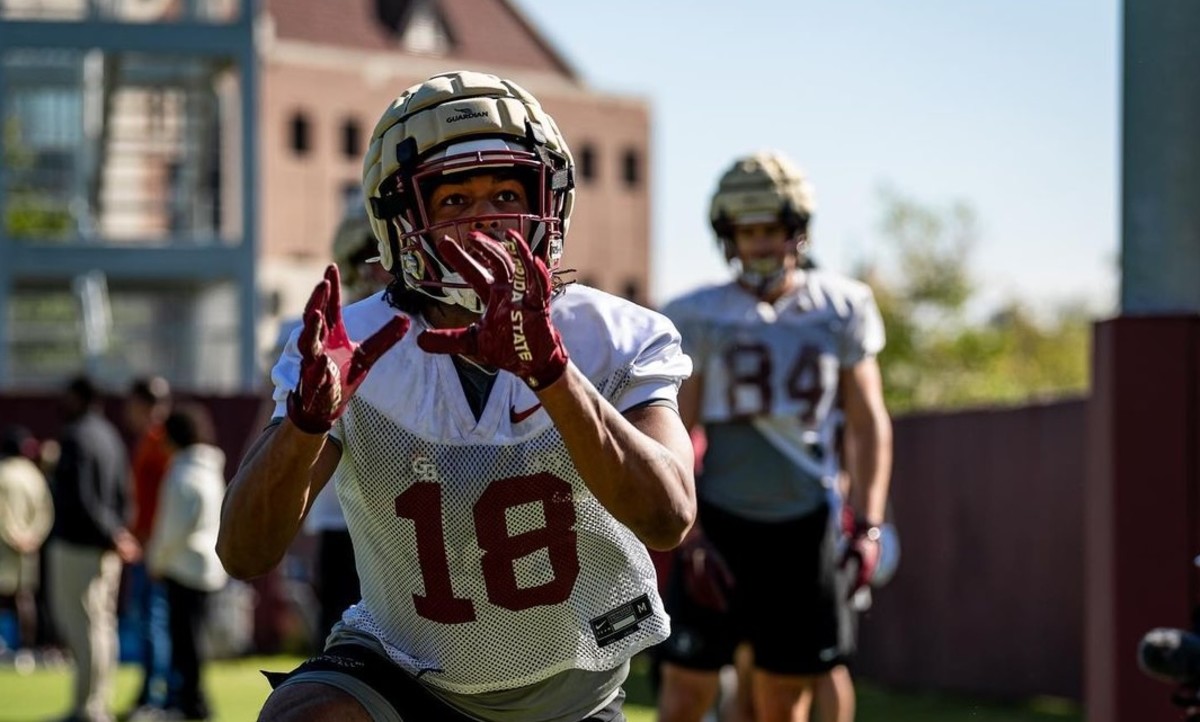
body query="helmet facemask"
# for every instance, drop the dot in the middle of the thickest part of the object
(418, 233)
(768, 274)
(463, 121)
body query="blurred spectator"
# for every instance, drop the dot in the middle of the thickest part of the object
(49, 641)
(26, 513)
(88, 543)
(146, 407)
(182, 549)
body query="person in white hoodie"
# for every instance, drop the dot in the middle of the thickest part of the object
(182, 548)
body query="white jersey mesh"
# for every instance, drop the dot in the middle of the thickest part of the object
(776, 366)
(485, 561)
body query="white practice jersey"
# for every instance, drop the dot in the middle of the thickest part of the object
(774, 367)
(486, 563)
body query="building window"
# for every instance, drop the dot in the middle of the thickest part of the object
(587, 162)
(352, 200)
(631, 167)
(301, 133)
(351, 138)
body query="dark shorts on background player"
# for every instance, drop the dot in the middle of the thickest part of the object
(789, 601)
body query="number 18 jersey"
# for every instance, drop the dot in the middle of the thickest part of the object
(770, 376)
(486, 563)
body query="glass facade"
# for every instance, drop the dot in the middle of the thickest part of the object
(126, 169)
(118, 148)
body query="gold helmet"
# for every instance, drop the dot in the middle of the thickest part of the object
(761, 188)
(354, 244)
(459, 122)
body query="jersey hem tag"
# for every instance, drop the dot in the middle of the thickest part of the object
(622, 621)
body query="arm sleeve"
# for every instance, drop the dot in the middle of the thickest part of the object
(657, 368)
(285, 375)
(286, 372)
(692, 330)
(864, 334)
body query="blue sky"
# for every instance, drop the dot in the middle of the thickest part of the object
(1008, 105)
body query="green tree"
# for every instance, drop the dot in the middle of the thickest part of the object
(937, 356)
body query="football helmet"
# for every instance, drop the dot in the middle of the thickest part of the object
(462, 122)
(761, 188)
(354, 244)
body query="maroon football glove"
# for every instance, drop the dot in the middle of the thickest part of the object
(706, 576)
(515, 332)
(862, 549)
(331, 365)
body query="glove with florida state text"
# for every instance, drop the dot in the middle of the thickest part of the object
(515, 332)
(331, 365)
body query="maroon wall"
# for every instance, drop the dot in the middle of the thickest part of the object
(989, 596)
(237, 418)
(1143, 512)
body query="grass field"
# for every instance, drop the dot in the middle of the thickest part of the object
(237, 690)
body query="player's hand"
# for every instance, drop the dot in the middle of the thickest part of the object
(862, 550)
(515, 332)
(331, 365)
(706, 576)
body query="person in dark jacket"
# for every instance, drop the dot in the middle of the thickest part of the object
(89, 541)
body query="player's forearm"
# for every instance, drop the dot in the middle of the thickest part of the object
(873, 468)
(645, 485)
(265, 503)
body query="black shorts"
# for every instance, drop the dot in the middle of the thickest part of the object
(387, 692)
(789, 598)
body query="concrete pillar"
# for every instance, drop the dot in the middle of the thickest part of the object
(1160, 158)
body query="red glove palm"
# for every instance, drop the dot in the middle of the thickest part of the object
(331, 365)
(515, 332)
(706, 576)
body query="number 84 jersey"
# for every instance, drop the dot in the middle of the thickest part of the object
(776, 365)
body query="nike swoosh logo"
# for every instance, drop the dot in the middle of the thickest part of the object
(517, 417)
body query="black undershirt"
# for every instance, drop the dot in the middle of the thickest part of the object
(476, 384)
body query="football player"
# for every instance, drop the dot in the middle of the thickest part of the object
(784, 354)
(504, 446)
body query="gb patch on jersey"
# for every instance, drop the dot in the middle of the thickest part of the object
(424, 469)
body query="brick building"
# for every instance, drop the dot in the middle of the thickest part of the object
(175, 168)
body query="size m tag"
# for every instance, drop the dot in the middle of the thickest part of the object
(622, 621)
